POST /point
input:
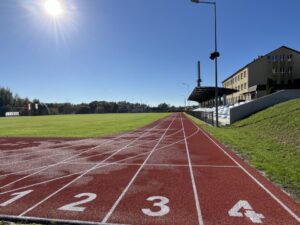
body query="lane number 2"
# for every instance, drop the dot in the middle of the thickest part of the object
(75, 205)
(160, 202)
(17, 195)
(235, 211)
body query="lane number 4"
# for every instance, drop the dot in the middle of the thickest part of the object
(235, 211)
(159, 201)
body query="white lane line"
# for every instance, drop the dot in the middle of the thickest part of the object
(38, 157)
(287, 209)
(174, 165)
(33, 159)
(156, 164)
(99, 154)
(51, 144)
(100, 166)
(69, 175)
(48, 147)
(85, 142)
(86, 172)
(197, 202)
(67, 159)
(110, 212)
(40, 220)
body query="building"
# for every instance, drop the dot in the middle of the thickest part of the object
(279, 69)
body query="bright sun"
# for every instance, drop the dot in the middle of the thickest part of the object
(53, 8)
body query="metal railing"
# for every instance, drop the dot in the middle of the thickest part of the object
(207, 117)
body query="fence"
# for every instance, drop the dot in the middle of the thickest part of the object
(242, 111)
(207, 117)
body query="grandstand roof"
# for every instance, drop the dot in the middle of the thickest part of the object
(203, 94)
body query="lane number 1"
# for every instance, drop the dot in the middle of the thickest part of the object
(161, 203)
(17, 195)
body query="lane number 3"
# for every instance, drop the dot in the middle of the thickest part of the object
(159, 201)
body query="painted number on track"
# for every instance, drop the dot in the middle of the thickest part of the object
(161, 203)
(75, 206)
(17, 195)
(248, 212)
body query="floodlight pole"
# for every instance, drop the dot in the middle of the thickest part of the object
(214, 56)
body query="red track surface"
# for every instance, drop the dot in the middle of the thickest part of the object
(169, 172)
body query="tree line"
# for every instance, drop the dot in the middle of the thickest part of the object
(14, 103)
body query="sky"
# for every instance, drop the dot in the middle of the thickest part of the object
(134, 50)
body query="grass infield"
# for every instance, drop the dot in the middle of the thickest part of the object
(75, 126)
(269, 141)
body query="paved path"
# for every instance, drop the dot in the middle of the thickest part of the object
(169, 172)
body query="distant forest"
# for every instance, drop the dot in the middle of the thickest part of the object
(14, 103)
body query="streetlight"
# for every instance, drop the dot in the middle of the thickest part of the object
(214, 55)
(188, 91)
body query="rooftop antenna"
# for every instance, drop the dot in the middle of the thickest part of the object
(199, 75)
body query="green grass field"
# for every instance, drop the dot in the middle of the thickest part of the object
(270, 141)
(75, 126)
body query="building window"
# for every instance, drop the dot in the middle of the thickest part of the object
(282, 70)
(290, 58)
(245, 85)
(245, 74)
(275, 70)
(242, 87)
(275, 58)
(290, 70)
(281, 58)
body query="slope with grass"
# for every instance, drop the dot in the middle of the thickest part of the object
(268, 140)
(75, 126)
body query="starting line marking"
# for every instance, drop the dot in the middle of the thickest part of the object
(253, 178)
(154, 164)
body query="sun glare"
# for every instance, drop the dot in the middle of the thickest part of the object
(54, 8)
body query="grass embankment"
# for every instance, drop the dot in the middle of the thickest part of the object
(77, 126)
(268, 140)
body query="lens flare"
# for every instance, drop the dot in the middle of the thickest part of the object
(54, 8)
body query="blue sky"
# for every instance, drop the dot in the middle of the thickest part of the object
(134, 50)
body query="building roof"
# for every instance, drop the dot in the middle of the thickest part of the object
(259, 59)
(202, 94)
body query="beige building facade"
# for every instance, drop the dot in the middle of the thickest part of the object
(277, 70)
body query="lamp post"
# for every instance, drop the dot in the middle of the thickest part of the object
(214, 56)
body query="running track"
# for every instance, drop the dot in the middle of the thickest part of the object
(169, 172)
